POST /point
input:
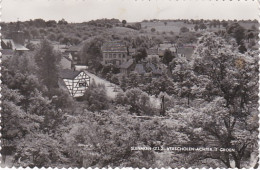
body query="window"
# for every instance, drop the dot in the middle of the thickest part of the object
(114, 55)
(82, 84)
(123, 55)
(119, 55)
(110, 55)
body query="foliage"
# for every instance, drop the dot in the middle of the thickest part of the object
(47, 61)
(137, 99)
(167, 57)
(184, 29)
(95, 97)
(237, 32)
(161, 84)
(93, 138)
(91, 52)
(141, 54)
(228, 81)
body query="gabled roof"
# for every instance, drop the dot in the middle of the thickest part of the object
(127, 64)
(114, 46)
(69, 74)
(15, 46)
(139, 68)
(153, 68)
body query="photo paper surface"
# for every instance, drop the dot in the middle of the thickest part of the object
(129, 84)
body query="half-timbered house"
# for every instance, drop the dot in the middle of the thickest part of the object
(76, 82)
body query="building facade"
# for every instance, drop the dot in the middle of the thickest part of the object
(76, 82)
(114, 52)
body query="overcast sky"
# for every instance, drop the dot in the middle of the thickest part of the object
(130, 10)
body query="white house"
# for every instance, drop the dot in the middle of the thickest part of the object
(76, 82)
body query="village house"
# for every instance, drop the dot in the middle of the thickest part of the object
(147, 67)
(140, 68)
(73, 54)
(15, 42)
(76, 82)
(127, 67)
(115, 52)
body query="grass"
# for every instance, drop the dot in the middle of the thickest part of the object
(161, 27)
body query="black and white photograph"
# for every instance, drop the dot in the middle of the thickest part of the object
(129, 84)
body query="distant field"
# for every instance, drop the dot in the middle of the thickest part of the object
(124, 31)
(161, 27)
(176, 26)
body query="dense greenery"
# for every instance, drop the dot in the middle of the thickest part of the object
(208, 98)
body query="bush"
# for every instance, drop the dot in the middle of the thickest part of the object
(96, 97)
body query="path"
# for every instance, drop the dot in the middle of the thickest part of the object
(111, 88)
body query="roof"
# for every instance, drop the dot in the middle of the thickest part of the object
(150, 65)
(153, 68)
(127, 64)
(139, 68)
(80, 67)
(69, 74)
(66, 56)
(7, 52)
(152, 51)
(73, 49)
(15, 46)
(114, 46)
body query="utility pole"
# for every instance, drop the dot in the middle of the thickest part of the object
(162, 113)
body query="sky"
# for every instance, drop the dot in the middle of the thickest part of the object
(129, 10)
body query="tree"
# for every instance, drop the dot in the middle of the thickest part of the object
(124, 22)
(91, 53)
(196, 27)
(51, 23)
(153, 29)
(184, 29)
(30, 46)
(90, 136)
(62, 22)
(229, 85)
(123, 83)
(39, 23)
(47, 60)
(236, 31)
(183, 78)
(34, 33)
(167, 57)
(202, 26)
(141, 54)
(161, 84)
(138, 100)
(96, 97)
(224, 24)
